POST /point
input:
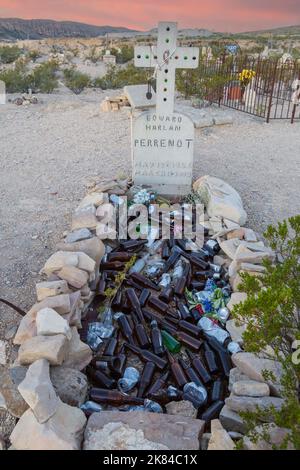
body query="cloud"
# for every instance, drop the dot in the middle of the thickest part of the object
(222, 15)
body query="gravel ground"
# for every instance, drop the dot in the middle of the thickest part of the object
(48, 153)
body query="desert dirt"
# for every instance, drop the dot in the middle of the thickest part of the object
(49, 152)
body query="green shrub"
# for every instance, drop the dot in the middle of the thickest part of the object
(34, 55)
(117, 77)
(16, 81)
(272, 315)
(125, 55)
(93, 55)
(43, 78)
(76, 80)
(9, 54)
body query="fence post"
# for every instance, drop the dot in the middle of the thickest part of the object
(271, 94)
(293, 113)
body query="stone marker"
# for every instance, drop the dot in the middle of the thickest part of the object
(231, 421)
(251, 388)
(63, 431)
(70, 385)
(37, 390)
(174, 432)
(52, 348)
(136, 95)
(162, 140)
(220, 439)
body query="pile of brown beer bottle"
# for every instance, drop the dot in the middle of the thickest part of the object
(154, 322)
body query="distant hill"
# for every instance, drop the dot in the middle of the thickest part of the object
(14, 28)
(283, 31)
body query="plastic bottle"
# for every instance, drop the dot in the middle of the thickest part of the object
(196, 394)
(213, 330)
(129, 380)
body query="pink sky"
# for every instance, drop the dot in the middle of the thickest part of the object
(219, 15)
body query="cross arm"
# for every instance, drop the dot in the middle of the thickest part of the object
(186, 58)
(145, 56)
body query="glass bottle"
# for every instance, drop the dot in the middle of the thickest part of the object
(146, 378)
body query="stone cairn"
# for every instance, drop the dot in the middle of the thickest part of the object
(47, 387)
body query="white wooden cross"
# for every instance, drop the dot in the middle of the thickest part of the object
(166, 57)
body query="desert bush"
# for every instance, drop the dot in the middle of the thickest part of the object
(16, 81)
(205, 82)
(43, 78)
(9, 54)
(34, 55)
(76, 80)
(272, 316)
(93, 55)
(117, 77)
(125, 55)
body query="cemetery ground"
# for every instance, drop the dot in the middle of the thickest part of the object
(51, 151)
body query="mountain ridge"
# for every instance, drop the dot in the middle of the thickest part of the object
(18, 29)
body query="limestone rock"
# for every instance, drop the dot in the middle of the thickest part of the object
(79, 354)
(251, 388)
(52, 348)
(9, 382)
(51, 289)
(245, 255)
(236, 332)
(27, 327)
(221, 199)
(70, 385)
(220, 260)
(78, 235)
(50, 323)
(277, 436)
(93, 247)
(253, 366)
(74, 316)
(104, 232)
(95, 198)
(3, 356)
(38, 392)
(182, 408)
(119, 436)
(237, 233)
(239, 404)
(236, 299)
(86, 263)
(84, 220)
(64, 431)
(75, 277)
(174, 432)
(236, 375)
(220, 439)
(58, 260)
(107, 211)
(232, 421)
(250, 235)
(229, 247)
(256, 268)
(87, 209)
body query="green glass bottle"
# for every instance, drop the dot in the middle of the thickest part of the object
(170, 342)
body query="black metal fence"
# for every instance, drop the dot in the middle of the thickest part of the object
(263, 88)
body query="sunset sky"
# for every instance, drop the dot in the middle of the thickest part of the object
(219, 15)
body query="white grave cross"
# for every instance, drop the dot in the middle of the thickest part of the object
(162, 140)
(166, 57)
